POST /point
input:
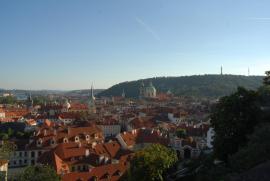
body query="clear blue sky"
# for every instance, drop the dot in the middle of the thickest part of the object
(68, 44)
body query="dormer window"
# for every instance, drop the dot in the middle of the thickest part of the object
(95, 178)
(87, 137)
(96, 136)
(72, 159)
(77, 139)
(39, 142)
(65, 140)
(52, 142)
(107, 176)
(118, 173)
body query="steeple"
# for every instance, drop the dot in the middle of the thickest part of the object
(123, 93)
(30, 101)
(91, 102)
(92, 93)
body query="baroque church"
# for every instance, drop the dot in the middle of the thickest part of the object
(148, 91)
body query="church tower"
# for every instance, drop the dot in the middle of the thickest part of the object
(142, 90)
(30, 102)
(123, 94)
(91, 102)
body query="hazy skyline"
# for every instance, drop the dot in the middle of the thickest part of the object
(67, 44)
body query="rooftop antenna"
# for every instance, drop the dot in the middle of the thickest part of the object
(248, 71)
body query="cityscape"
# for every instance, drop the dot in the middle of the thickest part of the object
(134, 91)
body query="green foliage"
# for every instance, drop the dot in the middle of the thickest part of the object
(199, 86)
(13, 130)
(40, 100)
(257, 150)
(7, 100)
(151, 163)
(266, 80)
(233, 118)
(37, 173)
(181, 133)
(6, 149)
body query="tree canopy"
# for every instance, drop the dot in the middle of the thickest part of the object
(151, 163)
(266, 80)
(233, 118)
(6, 149)
(37, 173)
(257, 150)
(198, 86)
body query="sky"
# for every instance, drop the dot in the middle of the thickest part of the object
(68, 44)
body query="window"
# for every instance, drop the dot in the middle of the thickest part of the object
(14, 162)
(20, 162)
(20, 154)
(39, 153)
(25, 161)
(32, 154)
(53, 142)
(25, 153)
(32, 162)
(73, 169)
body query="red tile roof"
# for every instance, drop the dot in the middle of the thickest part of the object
(112, 172)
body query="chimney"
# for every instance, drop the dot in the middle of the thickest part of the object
(68, 130)
(45, 132)
(94, 144)
(55, 132)
(87, 152)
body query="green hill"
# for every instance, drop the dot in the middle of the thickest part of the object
(197, 85)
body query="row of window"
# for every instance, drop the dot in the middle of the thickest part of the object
(79, 168)
(22, 162)
(25, 154)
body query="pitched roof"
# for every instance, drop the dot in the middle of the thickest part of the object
(144, 136)
(112, 172)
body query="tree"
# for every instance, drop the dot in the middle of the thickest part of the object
(151, 163)
(266, 80)
(6, 149)
(37, 173)
(257, 150)
(7, 100)
(181, 133)
(233, 118)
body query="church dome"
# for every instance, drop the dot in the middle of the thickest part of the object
(151, 88)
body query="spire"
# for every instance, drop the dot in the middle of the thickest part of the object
(92, 92)
(123, 93)
(91, 102)
(30, 101)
